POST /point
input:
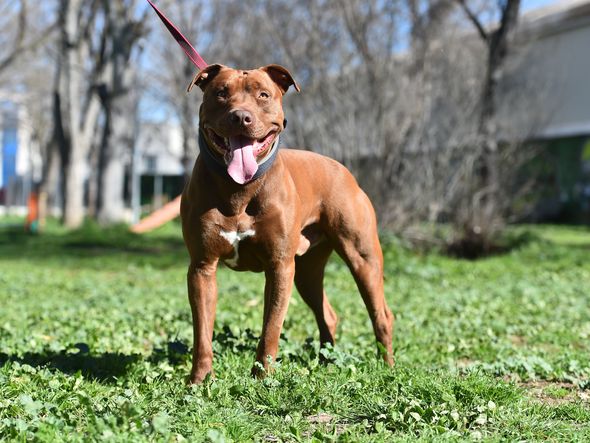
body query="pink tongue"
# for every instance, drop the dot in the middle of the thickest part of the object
(242, 165)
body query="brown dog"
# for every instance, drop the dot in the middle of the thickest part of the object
(281, 212)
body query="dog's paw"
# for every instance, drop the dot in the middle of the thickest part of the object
(199, 376)
(259, 371)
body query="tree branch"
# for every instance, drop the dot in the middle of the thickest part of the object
(20, 36)
(473, 18)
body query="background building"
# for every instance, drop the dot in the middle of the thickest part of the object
(558, 40)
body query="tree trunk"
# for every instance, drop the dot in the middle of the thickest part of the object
(49, 183)
(120, 107)
(118, 144)
(50, 179)
(74, 190)
(112, 209)
(74, 119)
(497, 42)
(73, 212)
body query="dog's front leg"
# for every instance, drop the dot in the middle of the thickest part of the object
(202, 294)
(277, 292)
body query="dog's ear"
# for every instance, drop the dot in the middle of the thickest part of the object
(204, 76)
(281, 77)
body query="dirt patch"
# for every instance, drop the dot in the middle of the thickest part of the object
(322, 417)
(517, 340)
(555, 393)
(464, 363)
(324, 420)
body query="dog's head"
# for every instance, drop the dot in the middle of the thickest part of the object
(242, 114)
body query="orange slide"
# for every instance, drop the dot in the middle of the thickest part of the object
(157, 218)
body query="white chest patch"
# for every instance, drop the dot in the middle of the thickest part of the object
(234, 238)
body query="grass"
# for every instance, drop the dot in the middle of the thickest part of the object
(95, 335)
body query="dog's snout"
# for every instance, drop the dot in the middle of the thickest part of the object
(242, 117)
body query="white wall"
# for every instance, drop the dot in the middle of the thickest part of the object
(559, 61)
(164, 141)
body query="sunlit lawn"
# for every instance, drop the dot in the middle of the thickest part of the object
(95, 335)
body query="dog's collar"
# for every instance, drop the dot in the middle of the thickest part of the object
(217, 165)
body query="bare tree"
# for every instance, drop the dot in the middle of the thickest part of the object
(13, 31)
(482, 215)
(22, 34)
(76, 106)
(122, 32)
(94, 74)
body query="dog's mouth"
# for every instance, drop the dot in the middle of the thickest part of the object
(227, 144)
(240, 152)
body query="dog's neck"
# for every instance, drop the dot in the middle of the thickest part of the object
(217, 165)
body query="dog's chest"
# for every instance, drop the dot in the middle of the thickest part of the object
(234, 238)
(238, 238)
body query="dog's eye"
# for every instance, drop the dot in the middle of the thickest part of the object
(263, 94)
(222, 93)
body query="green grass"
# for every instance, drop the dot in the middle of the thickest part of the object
(95, 335)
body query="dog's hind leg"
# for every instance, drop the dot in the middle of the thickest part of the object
(309, 281)
(359, 247)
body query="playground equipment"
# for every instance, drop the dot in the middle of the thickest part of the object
(157, 218)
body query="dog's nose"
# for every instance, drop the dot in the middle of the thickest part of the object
(241, 117)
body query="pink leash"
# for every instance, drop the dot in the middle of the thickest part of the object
(181, 40)
(172, 209)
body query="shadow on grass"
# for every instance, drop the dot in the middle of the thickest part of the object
(109, 366)
(246, 341)
(472, 246)
(161, 249)
(105, 367)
